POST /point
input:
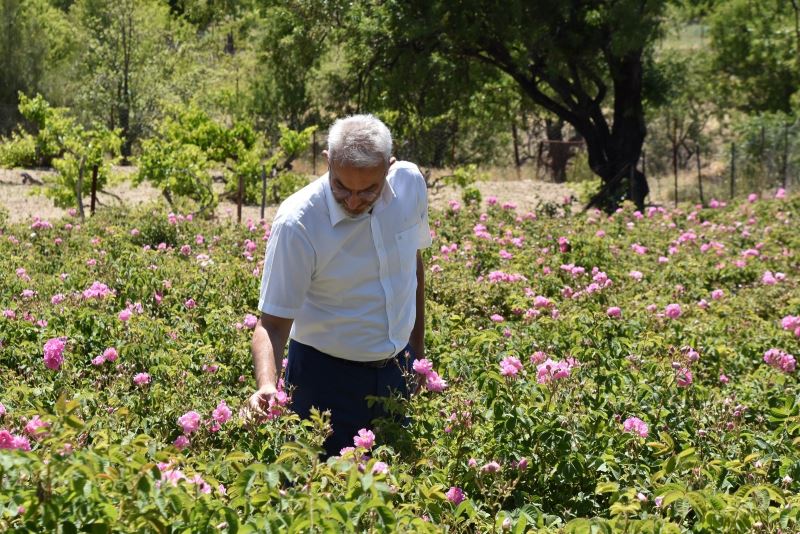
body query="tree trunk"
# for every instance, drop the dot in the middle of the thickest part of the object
(613, 154)
(95, 170)
(79, 188)
(125, 93)
(558, 152)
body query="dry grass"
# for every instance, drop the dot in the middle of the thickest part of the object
(23, 204)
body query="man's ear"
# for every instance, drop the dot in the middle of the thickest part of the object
(327, 159)
(392, 161)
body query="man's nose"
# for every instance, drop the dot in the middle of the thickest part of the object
(353, 201)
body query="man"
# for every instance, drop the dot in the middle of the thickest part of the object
(343, 278)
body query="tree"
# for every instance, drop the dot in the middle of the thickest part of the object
(49, 127)
(85, 152)
(679, 113)
(292, 42)
(756, 50)
(582, 61)
(27, 35)
(125, 68)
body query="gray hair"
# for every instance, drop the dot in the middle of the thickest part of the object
(359, 141)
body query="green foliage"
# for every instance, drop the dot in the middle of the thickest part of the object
(292, 41)
(51, 127)
(250, 165)
(718, 457)
(129, 64)
(190, 142)
(59, 140)
(178, 170)
(757, 53)
(464, 177)
(84, 151)
(767, 146)
(285, 184)
(680, 111)
(30, 31)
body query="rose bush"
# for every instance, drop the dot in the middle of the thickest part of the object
(583, 372)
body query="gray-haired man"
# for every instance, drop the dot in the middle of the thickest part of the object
(343, 278)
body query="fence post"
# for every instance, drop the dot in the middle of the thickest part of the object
(263, 190)
(239, 199)
(675, 169)
(785, 152)
(539, 158)
(699, 176)
(79, 188)
(733, 169)
(95, 169)
(313, 157)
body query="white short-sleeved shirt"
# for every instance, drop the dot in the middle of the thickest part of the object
(348, 283)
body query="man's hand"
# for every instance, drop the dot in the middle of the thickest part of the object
(257, 405)
(269, 341)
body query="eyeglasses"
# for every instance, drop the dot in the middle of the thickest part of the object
(341, 193)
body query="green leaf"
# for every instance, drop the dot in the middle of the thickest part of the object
(607, 487)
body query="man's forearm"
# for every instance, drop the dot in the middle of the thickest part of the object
(267, 348)
(417, 340)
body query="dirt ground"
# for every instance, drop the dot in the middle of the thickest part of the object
(23, 203)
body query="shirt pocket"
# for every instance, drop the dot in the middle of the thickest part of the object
(407, 243)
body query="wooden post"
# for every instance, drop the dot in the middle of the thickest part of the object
(95, 170)
(785, 153)
(264, 189)
(675, 169)
(239, 199)
(539, 158)
(313, 158)
(515, 138)
(733, 169)
(699, 176)
(765, 171)
(79, 188)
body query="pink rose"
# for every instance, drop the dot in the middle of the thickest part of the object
(54, 352)
(141, 378)
(221, 413)
(365, 439)
(190, 421)
(455, 495)
(673, 311)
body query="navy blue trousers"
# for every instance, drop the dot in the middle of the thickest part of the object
(329, 383)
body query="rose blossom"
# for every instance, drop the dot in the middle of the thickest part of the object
(455, 495)
(141, 379)
(190, 421)
(54, 352)
(423, 366)
(636, 426)
(365, 439)
(221, 413)
(673, 311)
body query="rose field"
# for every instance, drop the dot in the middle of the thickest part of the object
(583, 373)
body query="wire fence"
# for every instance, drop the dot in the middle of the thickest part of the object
(758, 158)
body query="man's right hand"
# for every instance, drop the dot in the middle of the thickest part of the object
(257, 405)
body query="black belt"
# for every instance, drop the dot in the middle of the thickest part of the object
(375, 364)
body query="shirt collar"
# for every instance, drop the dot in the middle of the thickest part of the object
(336, 211)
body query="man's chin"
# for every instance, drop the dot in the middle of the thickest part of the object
(356, 213)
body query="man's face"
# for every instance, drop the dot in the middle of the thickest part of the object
(356, 189)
